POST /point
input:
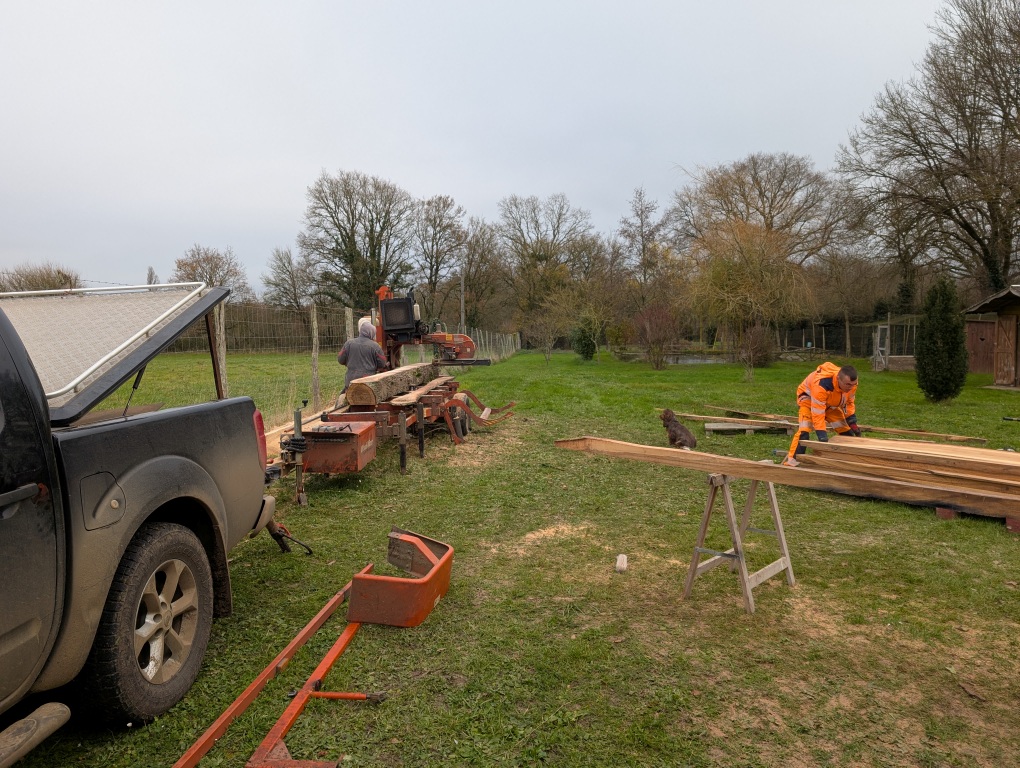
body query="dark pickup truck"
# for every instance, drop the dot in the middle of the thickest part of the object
(114, 530)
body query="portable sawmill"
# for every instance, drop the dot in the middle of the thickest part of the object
(405, 400)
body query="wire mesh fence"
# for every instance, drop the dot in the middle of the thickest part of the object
(280, 357)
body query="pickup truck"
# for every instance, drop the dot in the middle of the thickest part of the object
(114, 528)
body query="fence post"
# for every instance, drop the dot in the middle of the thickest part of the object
(316, 402)
(220, 315)
(349, 323)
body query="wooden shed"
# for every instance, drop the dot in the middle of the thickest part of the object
(981, 343)
(1006, 306)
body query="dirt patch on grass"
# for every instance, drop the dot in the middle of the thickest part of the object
(532, 539)
(815, 620)
(552, 532)
(484, 445)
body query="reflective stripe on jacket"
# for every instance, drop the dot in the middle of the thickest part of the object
(821, 391)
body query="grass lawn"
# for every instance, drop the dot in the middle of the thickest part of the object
(898, 646)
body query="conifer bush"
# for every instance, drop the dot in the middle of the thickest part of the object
(940, 353)
(582, 342)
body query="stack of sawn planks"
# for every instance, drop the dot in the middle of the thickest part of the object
(975, 480)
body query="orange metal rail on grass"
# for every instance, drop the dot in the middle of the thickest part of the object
(273, 751)
(389, 600)
(199, 749)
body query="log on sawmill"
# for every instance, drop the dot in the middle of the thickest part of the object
(979, 502)
(380, 387)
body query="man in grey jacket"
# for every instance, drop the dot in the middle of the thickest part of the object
(362, 355)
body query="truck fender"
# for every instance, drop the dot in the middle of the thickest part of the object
(166, 488)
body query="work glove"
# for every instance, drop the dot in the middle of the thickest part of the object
(822, 435)
(855, 430)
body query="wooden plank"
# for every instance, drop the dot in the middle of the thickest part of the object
(916, 476)
(412, 397)
(770, 570)
(922, 464)
(733, 420)
(380, 387)
(977, 465)
(979, 503)
(919, 433)
(919, 464)
(729, 428)
(916, 446)
(746, 414)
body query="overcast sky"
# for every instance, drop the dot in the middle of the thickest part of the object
(130, 131)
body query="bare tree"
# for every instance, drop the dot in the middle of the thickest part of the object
(215, 268)
(779, 193)
(536, 235)
(598, 269)
(290, 282)
(656, 327)
(358, 229)
(39, 277)
(642, 235)
(747, 281)
(439, 237)
(947, 142)
(847, 283)
(549, 322)
(481, 267)
(899, 234)
(151, 278)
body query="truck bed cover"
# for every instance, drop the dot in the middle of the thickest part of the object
(85, 343)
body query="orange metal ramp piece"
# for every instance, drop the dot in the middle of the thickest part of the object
(397, 601)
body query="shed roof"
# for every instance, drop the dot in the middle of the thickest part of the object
(1007, 297)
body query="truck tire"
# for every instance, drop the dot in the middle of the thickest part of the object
(155, 627)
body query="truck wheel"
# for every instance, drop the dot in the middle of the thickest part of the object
(155, 627)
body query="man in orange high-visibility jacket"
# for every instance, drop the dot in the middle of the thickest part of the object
(825, 399)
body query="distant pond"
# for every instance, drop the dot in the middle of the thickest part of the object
(675, 359)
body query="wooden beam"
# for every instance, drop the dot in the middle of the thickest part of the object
(727, 427)
(732, 420)
(915, 447)
(975, 502)
(978, 465)
(919, 433)
(916, 476)
(412, 397)
(380, 387)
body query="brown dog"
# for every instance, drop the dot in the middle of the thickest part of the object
(679, 435)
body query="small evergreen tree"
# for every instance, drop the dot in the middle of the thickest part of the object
(941, 348)
(582, 340)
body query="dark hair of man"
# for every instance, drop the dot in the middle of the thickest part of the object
(849, 372)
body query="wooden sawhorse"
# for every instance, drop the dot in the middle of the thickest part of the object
(735, 556)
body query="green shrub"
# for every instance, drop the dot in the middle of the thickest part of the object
(941, 348)
(583, 343)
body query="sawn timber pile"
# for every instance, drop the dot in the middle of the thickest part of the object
(973, 480)
(979, 472)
